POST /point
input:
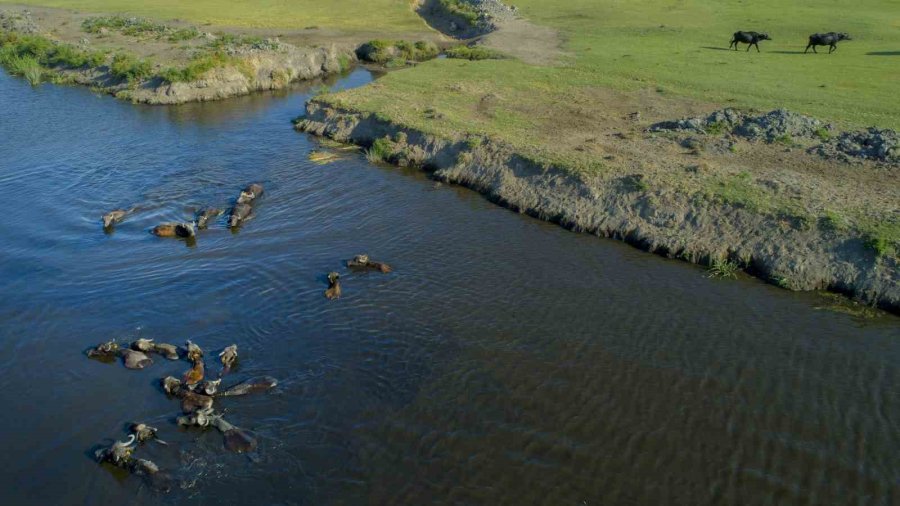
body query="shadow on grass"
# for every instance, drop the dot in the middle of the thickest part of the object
(788, 52)
(883, 53)
(715, 48)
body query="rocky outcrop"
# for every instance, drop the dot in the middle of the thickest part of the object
(871, 144)
(664, 221)
(782, 125)
(769, 127)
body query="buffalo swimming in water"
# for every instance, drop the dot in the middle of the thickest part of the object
(182, 230)
(364, 262)
(334, 286)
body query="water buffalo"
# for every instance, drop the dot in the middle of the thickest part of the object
(115, 216)
(334, 286)
(118, 454)
(364, 262)
(252, 385)
(239, 214)
(228, 356)
(194, 352)
(250, 193)
(170, 351)
(236, 439)
(207, 214)
(135, 359)
(826, 39)
(208, 387)
(183, 230)
(144, 433)
(107, 351)
(142, 344)
(749, 38)
(194, 375)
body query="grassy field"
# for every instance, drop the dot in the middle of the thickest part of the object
(679, 44)
(677, 47)
(651, 56)
(389, 16)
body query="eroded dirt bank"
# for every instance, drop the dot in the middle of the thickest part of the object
(790, 254)
(148, 62)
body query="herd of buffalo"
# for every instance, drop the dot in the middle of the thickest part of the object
(752, 39)
(196, 391)
(240, 212)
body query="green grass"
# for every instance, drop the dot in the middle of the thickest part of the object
(723, 269)
(384, 51)
(473, 53)
(138, 27)
(126, 66)
(25, 66)
(380, 150)
(461, 9)
(883, 237)
(385, 16)
(29, 55)
(196, 69)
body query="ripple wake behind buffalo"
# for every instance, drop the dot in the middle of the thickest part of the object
(598, 373)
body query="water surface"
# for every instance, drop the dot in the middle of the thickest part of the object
(506, 361)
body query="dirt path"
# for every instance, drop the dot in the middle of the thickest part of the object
(526, 41)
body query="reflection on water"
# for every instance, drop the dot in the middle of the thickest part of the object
(505, 361)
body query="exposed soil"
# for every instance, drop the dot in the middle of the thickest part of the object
(500, 28)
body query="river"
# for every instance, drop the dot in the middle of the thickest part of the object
(505, 361)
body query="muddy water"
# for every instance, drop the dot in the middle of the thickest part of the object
(506, 361)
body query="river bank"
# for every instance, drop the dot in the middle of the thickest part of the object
(791, 251)
(148, 62)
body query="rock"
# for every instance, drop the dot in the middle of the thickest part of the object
(770, 127)
(872, 144)
(779, 124)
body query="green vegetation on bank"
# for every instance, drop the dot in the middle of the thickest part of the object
(386, 51)
(29, 55)
(130, 68)
(461, 9)
(138, 27)
(473, 53)
(196, 68)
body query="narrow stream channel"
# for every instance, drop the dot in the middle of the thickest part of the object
(505, 361)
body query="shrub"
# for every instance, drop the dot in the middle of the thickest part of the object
(380, 151)
(833, 221)
(881, 245)
(136, 27)
(195, 69)
(461, 9)
(385, 51)
(474, 53)
(25, 66)
(723, 269)
(125, 66)
(49, 53)
(344, 62)
(69, 56)
(717, 128)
